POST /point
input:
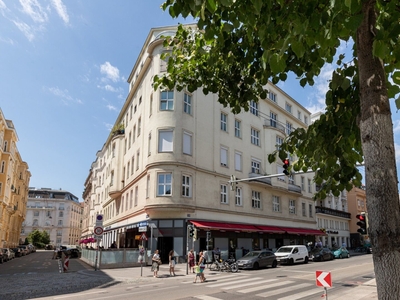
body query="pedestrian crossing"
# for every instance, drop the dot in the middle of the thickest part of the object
(277, 289)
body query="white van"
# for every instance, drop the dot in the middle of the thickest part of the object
(292, 254)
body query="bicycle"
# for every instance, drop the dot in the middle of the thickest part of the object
(231, 265)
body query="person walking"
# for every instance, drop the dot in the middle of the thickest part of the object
(191, 261)
(156, 262)
(171, 260)
(202, 266)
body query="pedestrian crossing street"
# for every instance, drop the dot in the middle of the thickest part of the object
(277, 288)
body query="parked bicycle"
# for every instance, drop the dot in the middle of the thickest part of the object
(229, 265)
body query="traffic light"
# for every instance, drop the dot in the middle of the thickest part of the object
(191, 231)
(208, 236)
(194, 234)
(286, 164)
(362, 223)
(232, 182)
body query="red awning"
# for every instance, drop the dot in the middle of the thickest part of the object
(303, 231)
(270, 229)
(225, 226)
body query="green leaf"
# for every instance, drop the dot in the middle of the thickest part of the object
(380, 49)
(298, 49)
(277, 63)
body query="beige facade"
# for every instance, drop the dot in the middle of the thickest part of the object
(14, 182)
(171, 164)
(57, 212)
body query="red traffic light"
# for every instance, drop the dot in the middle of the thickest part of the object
(286, 163)
(361, 217)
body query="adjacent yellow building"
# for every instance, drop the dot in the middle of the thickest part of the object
(14, 183)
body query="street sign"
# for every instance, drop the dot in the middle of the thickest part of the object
(98, 230)
(143, 237)
(99, 220)
(323, 278)
(143, 229)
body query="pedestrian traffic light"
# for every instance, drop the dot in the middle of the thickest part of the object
(362, 223)
(191, 231)
(208, 236)
(286, 164)
(194, 234)
(232, 182)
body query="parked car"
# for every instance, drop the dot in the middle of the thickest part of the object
(8, 254)
(342, 252)
(1, 256)
(292, 254)
(72, 252)
(31, 248)
(24, 250)
(257, 259)
(17, 251)
(321, 254)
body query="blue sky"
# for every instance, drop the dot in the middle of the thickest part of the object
(64, 66)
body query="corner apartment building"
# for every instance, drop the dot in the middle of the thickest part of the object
(14, 182)
(57, 212)
(169, 163)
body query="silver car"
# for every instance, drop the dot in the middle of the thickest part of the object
(257, 259)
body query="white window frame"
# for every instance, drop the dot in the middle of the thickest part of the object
(224, 153)
(238, 128)
(165, 140)
(272, 96)
(238, 161)
(187, 143)
(303, 209)
(224, 194)
(164, 181)
(255, 166)
(306, 120)
(289, 128)
(302, 183)
(166, 102)
(256, 199)
(292, 206)
(187, 103)
(273, 118)
(186, 186)
(254, 107)
(310, 210)
(238, 196)
(279, 142)
(224, 122)
(309, 185)
(255, 136)
(299, 115)
(288, 107)
(276, 204)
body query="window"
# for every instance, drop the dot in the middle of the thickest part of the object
(302, 183)
(59, 233)
(148, 186)
(35, 222)
(131, 199)
(224, 125)
(238, 161)
(291, 179)
(303, 209)
(151, 105)
(224, 193)
(187, 103)
(255, 199)
(288, 128)
(60, 222)
(36, 213)
(164, 184)
(130, 140)
(254, 107)
(139, 127)
(136, 195)
(112, 178)
(238, 196)
(127, 169)
(165, 141)
(309, 185)
(273, 118)
(255, 166)
(140, 100)
(186, 186)
(1, 188)
(187, 143)
(167, 100)
(149, 149)
(224, 157)
(238, 126)
(292, 206)
(137, 160)
(133, 164)
(306, 120)
(255, 137)
(272, 96)
(134, 134)
(113, 150)
(276, 204)
(61, 214)
(299, 115)
(310, 210)
(288, 107)
(279, 142)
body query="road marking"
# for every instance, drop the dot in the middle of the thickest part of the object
(205, 297)
(264, 287)
(304, 294)
(247, 284)
(232, 282)
(284, 290)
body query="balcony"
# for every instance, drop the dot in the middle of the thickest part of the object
(268, 123)
(259, 180)
(332, 212)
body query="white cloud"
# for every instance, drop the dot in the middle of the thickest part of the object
(109, 126)
(396, 126)
(61, 10)
(2, 5)
(33, 9)
(397, 152)
(7, 40)
(321, 86)
(64, 95)
(111, 107)
(110, 71)
(26, 30)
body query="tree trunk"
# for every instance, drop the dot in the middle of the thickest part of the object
(380, 164)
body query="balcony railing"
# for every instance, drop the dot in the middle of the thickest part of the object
(332, 212)
(261, 180)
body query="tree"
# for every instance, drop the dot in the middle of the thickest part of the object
(240, 45)
(38, 238)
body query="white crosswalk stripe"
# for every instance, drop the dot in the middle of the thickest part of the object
(265, 287)
(206, 297)
(283, 290)
(233, 282)
(296, 296)
(247, 284)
